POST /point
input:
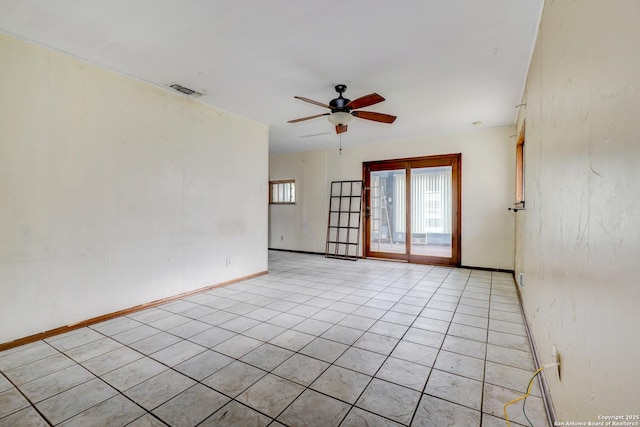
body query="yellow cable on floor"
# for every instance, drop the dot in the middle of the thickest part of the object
(506, 417)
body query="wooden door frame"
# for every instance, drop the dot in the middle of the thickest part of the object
(453, 160)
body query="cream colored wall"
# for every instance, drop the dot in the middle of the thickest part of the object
(579, 239)
(116, 193)
(302, 226)
(487, 191)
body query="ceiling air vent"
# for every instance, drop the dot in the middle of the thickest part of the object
(184, 90)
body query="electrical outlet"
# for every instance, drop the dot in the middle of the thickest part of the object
(228, 262)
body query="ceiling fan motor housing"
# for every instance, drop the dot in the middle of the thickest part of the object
(340, 103)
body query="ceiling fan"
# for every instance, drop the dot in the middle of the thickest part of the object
(342, 109)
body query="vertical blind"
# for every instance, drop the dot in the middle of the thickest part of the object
(430, 201)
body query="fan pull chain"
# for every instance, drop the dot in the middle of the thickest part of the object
(341, 144)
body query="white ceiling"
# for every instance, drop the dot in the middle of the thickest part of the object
(441, 65)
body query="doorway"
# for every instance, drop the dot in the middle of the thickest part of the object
(412, 209)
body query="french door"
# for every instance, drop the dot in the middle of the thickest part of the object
(412, 209)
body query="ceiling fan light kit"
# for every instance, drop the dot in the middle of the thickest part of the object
(340, 118)
(342, 110)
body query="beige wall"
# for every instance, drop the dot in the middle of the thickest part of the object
(302, 226)
(488, 158)
(116, 193)
(578, 242)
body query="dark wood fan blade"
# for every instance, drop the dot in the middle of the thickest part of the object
(311, 101)
(341, 128)
(376, 117)
(365, 101)
(307, 118)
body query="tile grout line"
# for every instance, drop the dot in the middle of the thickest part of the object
(333, 364)
(369, 299)
(353, 405)
(267, 372)
(486, 352)
(389, 355)
(424, 388)
(400, 339)
(308, 387)
(99, 377)
(449, 322)
(471, 339)
(394, 347)
(31, 404)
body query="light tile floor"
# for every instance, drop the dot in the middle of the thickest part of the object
(316, 342)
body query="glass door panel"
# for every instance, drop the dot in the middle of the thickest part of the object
(431, 212)
(387, 211)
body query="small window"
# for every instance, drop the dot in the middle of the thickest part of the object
(282, 192)
(520, 168)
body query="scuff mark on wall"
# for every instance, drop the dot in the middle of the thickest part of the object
(595, 172)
